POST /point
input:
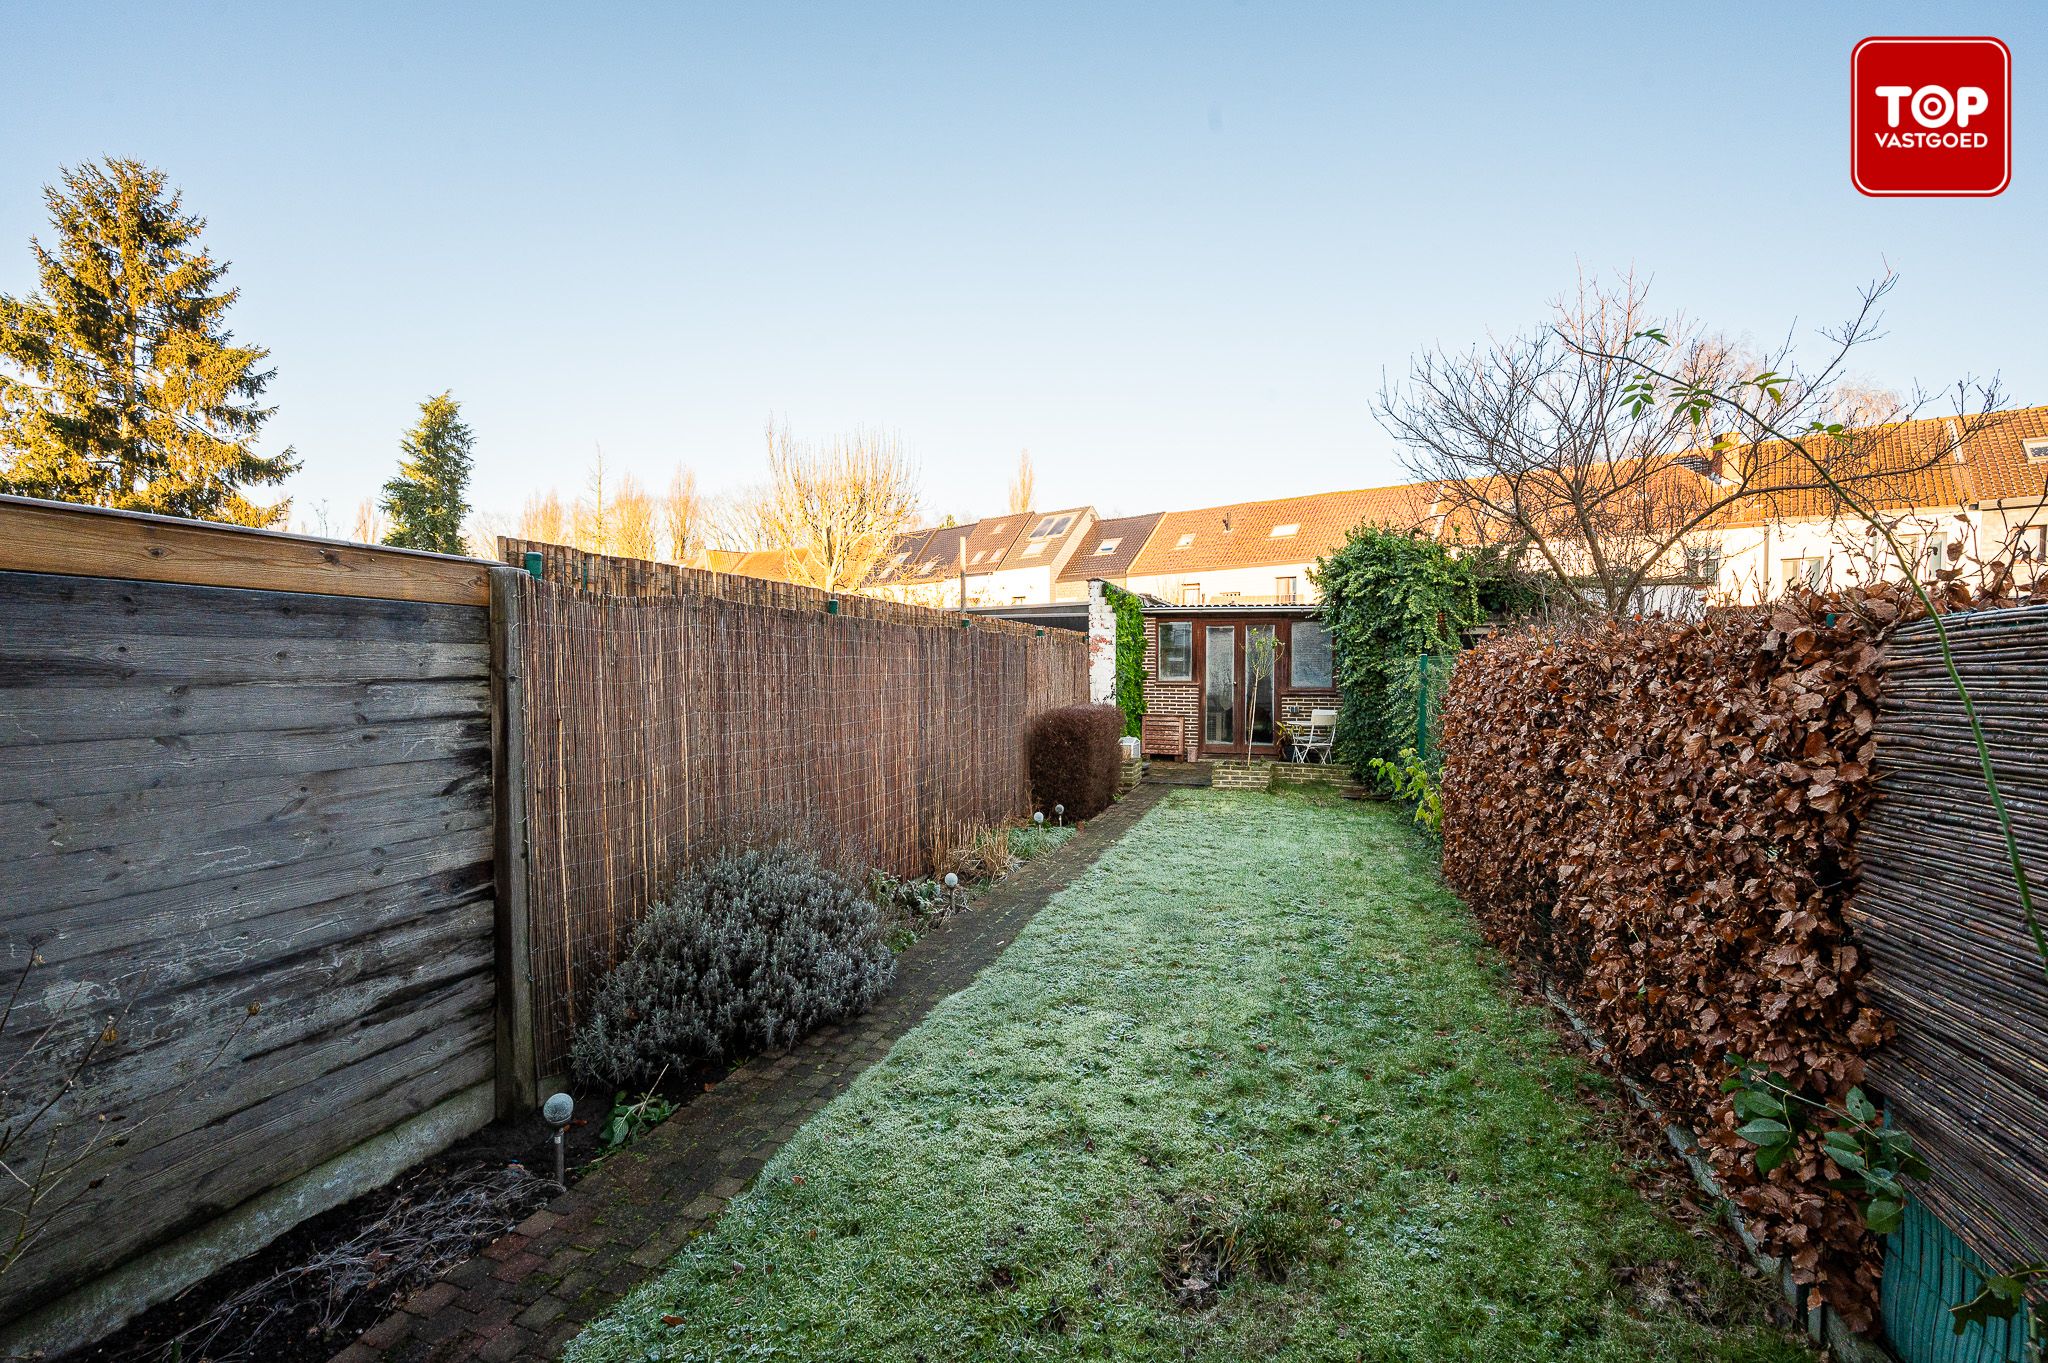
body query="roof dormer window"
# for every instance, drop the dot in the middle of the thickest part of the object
(1107, 547)
(2037, 449)
(1281, 532)
(1051, 526)
(1185, 541)
(1035, 548)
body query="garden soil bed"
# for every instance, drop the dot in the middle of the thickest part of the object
(287, 1318)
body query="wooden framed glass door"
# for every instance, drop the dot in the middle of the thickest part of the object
(1239, 696)
(1219, 686)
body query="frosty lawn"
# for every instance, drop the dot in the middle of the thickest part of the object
(1247, 1088)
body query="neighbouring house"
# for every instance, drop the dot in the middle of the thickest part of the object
(771, 564)
(1107, 552)
(1260, 553)
(1983, 489)
(1006, 560)
(1976, 490)
(1199, 670)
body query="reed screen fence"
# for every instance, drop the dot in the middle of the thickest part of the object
(660, 726)
(1936, 907)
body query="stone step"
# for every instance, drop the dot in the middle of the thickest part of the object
(1162, 773)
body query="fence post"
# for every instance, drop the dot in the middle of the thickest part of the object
(1422, 707)
(517, 1085)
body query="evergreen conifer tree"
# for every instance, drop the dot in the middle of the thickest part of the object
(128, 390)
(427, 500)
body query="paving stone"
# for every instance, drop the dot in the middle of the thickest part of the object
(431, 1298)
(388, 1331)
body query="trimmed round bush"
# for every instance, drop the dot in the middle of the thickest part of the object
(750, 949)
(1074, 758)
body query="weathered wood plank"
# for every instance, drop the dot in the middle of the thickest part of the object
(49, 537)
(173, 761)
(56, 609)
(195, 832)
(220, 911)
(71, 714)
(196, 660)
(310, 1002)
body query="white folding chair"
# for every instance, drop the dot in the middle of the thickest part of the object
(1317, 739)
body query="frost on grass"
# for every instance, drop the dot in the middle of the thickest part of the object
(1247, 1088)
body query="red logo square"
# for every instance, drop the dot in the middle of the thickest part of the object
(1930, 116)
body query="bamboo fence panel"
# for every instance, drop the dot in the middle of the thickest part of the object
(1951, 959)
(660, 724)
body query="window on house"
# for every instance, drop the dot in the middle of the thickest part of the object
(1937, 550)
(1308, 662)
(1107, 547)
(1800, 572)
(1191, 593)
(1283, 589)
(1184, 541)
(1281, 532)
(1035, 548)
(1051, 526)
(1703, 563)
(2037, 449)
(979, 554)
(1176, 650)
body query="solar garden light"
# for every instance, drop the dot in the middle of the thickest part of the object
(1060, 812)
(1039, 818)
(556, 1112)
(952, 883)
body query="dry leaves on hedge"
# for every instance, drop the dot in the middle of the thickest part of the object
(1662, 815)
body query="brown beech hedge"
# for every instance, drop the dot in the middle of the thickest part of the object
(1662, 817)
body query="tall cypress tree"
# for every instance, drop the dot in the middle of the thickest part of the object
(129, 389)
(426, 501)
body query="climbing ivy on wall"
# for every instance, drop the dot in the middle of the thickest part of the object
(1130, 655)
(1388, 598)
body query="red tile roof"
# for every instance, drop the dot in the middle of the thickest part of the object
(1128, 533)
(1077, 517)
(1256, 534)
(1932, 462)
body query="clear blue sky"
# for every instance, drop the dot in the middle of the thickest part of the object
(1168, 248)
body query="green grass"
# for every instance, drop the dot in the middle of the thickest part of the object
(1257, 1044)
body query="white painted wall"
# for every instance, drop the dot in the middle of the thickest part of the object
(1218, 584)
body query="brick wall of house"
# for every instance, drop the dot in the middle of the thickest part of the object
(1182, 700)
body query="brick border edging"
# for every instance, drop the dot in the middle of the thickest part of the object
(538, 1285)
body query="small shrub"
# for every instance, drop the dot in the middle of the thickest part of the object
(631, 1118)
(907, 907)
(1413, 781)
(1031, 840)
(750, 949)
(1074, 759)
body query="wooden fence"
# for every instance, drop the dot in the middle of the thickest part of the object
(660, 723)
(246, 838)
(1951, 958)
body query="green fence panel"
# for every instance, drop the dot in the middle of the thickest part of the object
(1926, 1271)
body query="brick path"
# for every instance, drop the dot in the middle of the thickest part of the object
(539, 1284)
